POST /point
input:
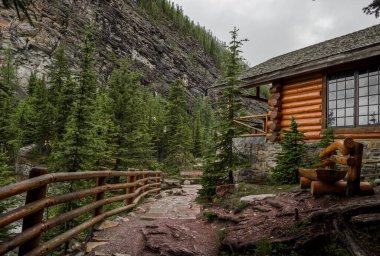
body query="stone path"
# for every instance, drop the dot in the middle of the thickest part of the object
(169, 223)
(175, 204)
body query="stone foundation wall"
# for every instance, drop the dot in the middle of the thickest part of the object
(261, 156)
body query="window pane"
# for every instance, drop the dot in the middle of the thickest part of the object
(363, 111)
(374, 99)
(332, 113)
(341, 86)
(340, 112)
(332, 87)
(350, 102)
(373, 109)
(350, 93)
(340, 121)
(373, 119)
(332, 104)
(340, 103)
(373, 71)
(349, 111)
(373, 80)
(332, 95)
(363, 82)
(350, 84)
(373, 90)
(363, 120)
(363, 91)
(341, 95)
(349, 121)
(363, 101)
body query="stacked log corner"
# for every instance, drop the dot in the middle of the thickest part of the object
(275, 114)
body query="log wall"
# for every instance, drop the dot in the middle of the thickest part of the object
(300, 99)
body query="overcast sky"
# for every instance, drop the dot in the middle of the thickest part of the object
(274, 27)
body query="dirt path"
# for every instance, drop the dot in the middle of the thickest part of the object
(169, 224)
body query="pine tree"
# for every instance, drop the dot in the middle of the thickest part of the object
(220, 168)
(8, 101)
(74, 152)
(134, 146)
(178, 133)
(61, 90)
(291, 156)
(197, 129)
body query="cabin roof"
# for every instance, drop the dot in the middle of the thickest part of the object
(339, 50)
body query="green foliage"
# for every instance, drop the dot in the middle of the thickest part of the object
(8, 101)
(178, 133)
(134, 147)
(291, 157)
(210, 216)
(327, 134)
(220, 168)
(174, 13)
(373, 8)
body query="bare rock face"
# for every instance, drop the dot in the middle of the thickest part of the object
(156, 48)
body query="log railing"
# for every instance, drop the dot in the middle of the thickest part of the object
(138, 184)
(258, 124)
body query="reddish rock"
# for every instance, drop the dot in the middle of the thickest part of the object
(226, 189)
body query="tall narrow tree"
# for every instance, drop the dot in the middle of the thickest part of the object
(220, 169)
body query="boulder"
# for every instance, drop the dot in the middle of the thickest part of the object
(252, 198)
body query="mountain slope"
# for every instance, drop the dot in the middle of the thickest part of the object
(158, 50)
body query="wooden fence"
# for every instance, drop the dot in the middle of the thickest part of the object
(138, 184)
(258, 124)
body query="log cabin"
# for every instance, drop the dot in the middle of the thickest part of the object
(336, 83)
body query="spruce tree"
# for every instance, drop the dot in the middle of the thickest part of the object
(291, 157)
(74, 152)
(8, 101)
(61, 90)
(220, 167)
(134, 147)
(178, 132)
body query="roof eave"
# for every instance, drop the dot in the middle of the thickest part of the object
(313, 66)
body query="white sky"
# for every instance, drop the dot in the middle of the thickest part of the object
(275, 27)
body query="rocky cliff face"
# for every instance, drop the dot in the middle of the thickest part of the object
(157, 50)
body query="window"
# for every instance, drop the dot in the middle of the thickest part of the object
(353, 98)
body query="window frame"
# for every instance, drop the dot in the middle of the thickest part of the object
(356, 128)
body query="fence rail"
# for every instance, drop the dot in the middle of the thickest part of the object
(138, 185)
(258, 124)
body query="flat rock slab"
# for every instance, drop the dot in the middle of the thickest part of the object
(107, 224)
(252, 198)
(92, 245)
(175, 206)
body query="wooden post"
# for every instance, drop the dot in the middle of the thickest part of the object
(130, 190)
(35, 218)
(353, 181)
(99, 196)
(145, 182)
(158, 175)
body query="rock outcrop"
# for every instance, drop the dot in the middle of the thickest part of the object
(158, 50)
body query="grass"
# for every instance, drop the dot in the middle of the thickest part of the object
(232, 201)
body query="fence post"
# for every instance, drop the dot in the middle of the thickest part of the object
(35, 218)
(158, 175)
(99, 196)
(130, 179)
(145, 175)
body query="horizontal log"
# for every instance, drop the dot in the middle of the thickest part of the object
(302, 110)
(23, 186)
(344, 160)
(302, 103)
(302, 84)
(302, 90)
(274, 103)
(312, 135)
(310, 173)
(358, 136)
(301, 97)
(303, 116)
(338, 188)
(305, 183)
(303, 122)
(275, 96)
(343, 146)
(305, 128)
